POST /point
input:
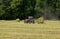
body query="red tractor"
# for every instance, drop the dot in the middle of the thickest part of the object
(26, 20)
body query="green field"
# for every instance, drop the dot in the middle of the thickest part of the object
(19, 30)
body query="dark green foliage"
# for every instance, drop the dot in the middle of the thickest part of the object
(12, 9)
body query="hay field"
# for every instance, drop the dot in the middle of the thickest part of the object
(19, 30)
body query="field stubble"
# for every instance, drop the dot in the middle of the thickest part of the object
(19, 30)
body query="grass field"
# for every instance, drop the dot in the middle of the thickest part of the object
(19, 30)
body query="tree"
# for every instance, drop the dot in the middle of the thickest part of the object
(12, 9)
(1, 8)
(39, 8)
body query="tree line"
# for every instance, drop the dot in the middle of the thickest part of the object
(12, 9)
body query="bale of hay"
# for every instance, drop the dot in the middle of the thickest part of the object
(18, 20)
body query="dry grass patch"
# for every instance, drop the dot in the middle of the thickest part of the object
(19, 30)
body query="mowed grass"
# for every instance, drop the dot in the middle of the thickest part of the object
(19, 30)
